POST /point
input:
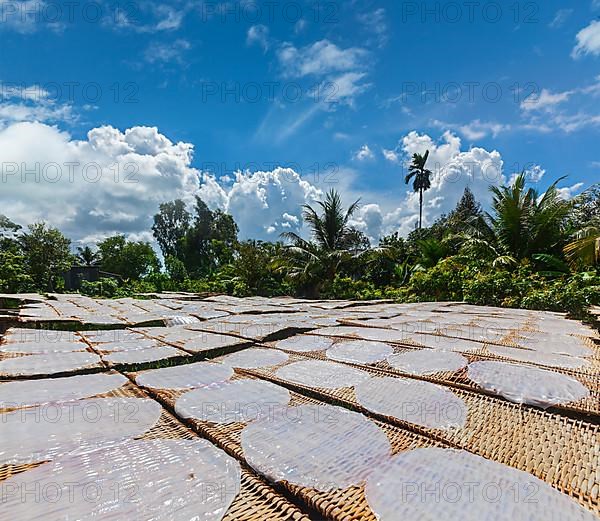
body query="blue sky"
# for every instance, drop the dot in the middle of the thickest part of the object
(184, 94)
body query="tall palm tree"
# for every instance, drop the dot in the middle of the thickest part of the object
(87, 256)
(333, 241)
(421, 181)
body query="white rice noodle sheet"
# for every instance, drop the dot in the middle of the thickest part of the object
(427, 361)
(14, 395)
(455, 485)
(48, 364)
(44, 432)
(304, 343)
(183, 377)
(323, 374)
(321, 447)
(231, 402)
(254, 358)
(177, 480)
(525, 384)
(360, 352)
(421, 403)
(535, 357)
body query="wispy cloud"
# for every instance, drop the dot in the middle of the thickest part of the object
(32, 103)
(167, 53)
(561, 16)
(364, 153)
(147, 17)
(545, 100)
(569, 111)
(320, 58)
(376, 23)
(258, 35)
(475, 129)
(588, 41)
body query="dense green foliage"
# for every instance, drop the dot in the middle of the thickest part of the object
(532, 250)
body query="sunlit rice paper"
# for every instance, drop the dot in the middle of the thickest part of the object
(111, 335)
(140, 356)
(207, 341)
(524, 384)
(44, 432)
(454, 485)
(54, 390)
(304, 343)
(48, 363)
(413, 401)
(445, 343)
(175, 480)
(321, 447)
(43, 347)
(427, 361)
(560, 345)
(536, 357)
(230, 402)
(254, 358)
(359, 352)
(129, 345)
(323, 374)
(185, 376)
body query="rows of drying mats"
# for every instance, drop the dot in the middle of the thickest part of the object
(179, 408)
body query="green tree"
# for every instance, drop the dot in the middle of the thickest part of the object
(385, 264)
(467, 210)
(253, 271)
(131, 260)
(7, 227)
(209, 243)
(421, 177)
(523, 223)
(14, 277)
(586, 209)
(175, 268)
(87, 257)
(584, 249)
(431, 251)
(47, 254)
(334, 241)
(171, 224)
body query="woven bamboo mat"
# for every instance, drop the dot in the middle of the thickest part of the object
(530, 324)
(418, 336)
(257, 501)
(348, 504)
(561, 451)
(459, 379)
(404, 341)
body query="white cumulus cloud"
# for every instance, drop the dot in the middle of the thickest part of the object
(264, 204)
(113, 181)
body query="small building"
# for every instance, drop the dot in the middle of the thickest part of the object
(77, 274)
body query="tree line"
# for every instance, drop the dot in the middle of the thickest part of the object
(531, 249)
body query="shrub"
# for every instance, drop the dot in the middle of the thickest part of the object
(572, 294)
(348, 288)
(443, 282)
(107, 288)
